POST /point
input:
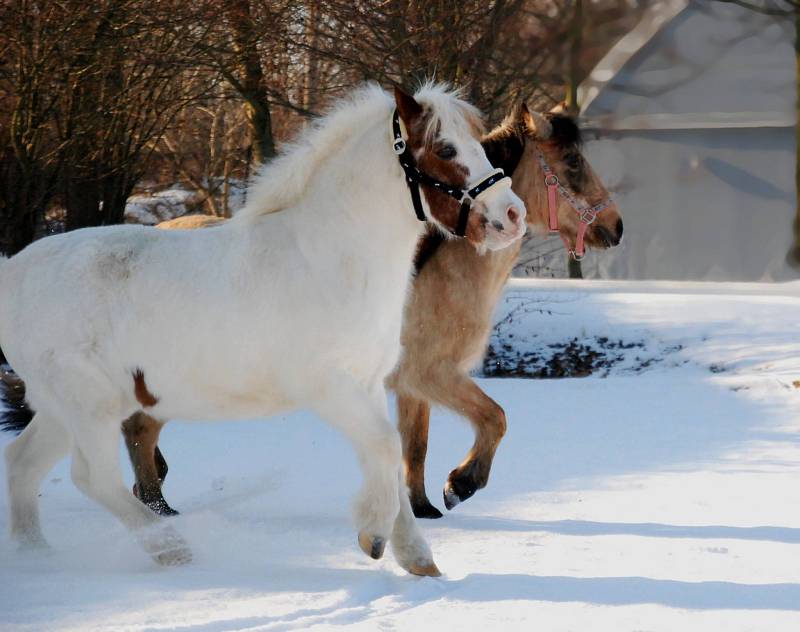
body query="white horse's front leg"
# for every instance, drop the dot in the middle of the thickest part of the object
(359, 413)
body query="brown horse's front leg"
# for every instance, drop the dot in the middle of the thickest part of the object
(413, 416)
(489, 421)
(149, 466)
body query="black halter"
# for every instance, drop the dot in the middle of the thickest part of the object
(415, 177)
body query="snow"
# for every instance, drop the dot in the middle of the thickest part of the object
(152, 206)
(658, 498)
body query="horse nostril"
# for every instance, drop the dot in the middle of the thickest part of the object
(498, 225)
(619, 228)
(513, 214)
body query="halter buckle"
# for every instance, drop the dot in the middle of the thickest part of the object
(576, 256)
(551, 180)
(399, 146)
(588, 216)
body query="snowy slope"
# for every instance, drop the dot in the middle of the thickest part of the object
(661, 498)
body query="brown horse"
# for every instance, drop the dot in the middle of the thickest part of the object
(447, 318)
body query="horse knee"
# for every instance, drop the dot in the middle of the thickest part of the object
(500, 422)
(79, 471)
(387, 445)
(12, 456)
(491, 423)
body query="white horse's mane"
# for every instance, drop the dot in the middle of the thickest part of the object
(282, 181)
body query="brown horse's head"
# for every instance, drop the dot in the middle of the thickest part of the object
(444, 133)
(527, 139)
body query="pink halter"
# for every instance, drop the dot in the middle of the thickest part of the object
(587, 214)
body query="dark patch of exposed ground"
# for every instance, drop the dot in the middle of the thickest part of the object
(571, 358)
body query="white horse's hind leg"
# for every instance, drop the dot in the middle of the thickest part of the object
(96, 472)
(28, 459)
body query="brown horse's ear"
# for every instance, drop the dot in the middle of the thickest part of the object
(537, 125)
(407, 106)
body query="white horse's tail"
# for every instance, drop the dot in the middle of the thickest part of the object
(14, 411)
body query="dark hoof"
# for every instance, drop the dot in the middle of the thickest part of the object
(372, 546)
(162, 508)
(458, 490)
(424, 509)
(156, 503)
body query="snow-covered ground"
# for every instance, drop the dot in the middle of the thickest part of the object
(152, 205)
(664, 496)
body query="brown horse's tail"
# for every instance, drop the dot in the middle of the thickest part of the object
(15, 414)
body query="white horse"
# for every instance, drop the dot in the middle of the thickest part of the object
(295, 303)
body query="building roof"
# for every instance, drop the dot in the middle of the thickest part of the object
(694, 65)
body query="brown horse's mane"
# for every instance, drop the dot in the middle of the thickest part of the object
(504, 146)
(566, 133)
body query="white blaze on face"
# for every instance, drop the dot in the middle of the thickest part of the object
(503, 209)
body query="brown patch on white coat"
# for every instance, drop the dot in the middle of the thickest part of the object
(432, 158)
(141, 392)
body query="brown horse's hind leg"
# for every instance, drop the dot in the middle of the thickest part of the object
(489, 421)
(149, 466)
(413, 416)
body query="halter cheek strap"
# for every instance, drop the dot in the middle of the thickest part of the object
(587, 213)
(415, 177)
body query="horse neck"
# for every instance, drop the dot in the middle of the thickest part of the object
(529, 185)
(480, 277)
(371, 215)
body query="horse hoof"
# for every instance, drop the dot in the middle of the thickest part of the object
(174, 557)
(458, 490)
(372, 546)
(424, 509)
(425, 570)
(162, 508)
(33, 545)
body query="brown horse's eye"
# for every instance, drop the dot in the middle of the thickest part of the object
(573, 162)
(446, 152)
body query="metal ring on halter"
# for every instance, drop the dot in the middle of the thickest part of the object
(588, 213)
(399, 146)
(551, 180)
(575, 256)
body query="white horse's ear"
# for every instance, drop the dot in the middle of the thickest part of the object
(560, 108)
(407, 106)
(538, 126)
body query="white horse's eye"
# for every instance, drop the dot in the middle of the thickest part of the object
(446, 152)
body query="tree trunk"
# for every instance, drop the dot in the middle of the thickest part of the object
(573, 79)
(24, 193)
(251, 77)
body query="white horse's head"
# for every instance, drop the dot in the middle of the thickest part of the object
(443, 134)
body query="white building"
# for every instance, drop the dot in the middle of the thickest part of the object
(690, 119)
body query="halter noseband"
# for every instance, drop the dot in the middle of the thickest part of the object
(415, 177)
(587, 214)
